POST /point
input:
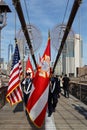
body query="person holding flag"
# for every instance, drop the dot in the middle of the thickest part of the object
(38, 101)
(27, 81)
(26, 85)
(14, 92)
(29, 68)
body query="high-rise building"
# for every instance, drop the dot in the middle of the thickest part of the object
(78, 52)
(10, 52)
(72, 55)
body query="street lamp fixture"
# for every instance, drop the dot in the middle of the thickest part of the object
(4, 9)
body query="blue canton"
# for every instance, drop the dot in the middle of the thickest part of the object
(16, 57)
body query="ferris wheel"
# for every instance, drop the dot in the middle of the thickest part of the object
(35, 38)
(57, 35)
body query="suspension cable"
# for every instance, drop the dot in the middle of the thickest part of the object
(64, 15)
(65, 11)
(27, 12)
(15, 28)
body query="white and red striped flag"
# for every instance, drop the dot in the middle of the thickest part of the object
(37, 103)
(14, 92)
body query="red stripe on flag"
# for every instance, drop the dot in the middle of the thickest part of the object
(13, 87)
(12, 99)
(38, 90)
(16, 95)
(40, 119)
(14, 70)
(13, 79)
(19, 90)
(29, 67)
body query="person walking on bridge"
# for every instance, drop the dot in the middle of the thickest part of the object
(54, 94)
(66, 81)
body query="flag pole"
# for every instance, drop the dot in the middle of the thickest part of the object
(49, 33)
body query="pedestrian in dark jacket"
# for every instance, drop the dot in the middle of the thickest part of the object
(66, 81)
(54, 91)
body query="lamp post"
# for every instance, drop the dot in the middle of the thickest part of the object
(4, 9)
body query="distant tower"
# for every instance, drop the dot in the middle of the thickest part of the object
(10, 52)
(72, 56)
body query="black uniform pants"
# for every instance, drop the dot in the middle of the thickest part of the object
(26, 96)
(52, 102)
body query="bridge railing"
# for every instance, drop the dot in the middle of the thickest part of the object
(3, 91)
(79, 90)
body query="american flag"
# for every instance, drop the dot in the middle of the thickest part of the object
(14, 92)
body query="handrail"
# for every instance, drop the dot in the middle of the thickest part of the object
(79, 90)
(79, 83)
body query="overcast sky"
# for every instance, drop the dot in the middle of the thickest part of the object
(45, 15)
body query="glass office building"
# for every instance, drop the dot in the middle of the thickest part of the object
(10, 52)
(72, 55)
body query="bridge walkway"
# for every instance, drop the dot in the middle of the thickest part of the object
(70, 114)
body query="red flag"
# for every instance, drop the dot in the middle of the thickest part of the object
(29, 68)
(37, 103)
(14, 92)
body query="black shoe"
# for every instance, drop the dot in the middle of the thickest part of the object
(54, 110)
(49, 114)
(64, 95)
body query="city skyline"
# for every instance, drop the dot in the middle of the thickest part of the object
(45, 15)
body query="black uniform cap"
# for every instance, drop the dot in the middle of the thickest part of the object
(28, 74)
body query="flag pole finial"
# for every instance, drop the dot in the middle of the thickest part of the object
(15, 40)
(49, 33)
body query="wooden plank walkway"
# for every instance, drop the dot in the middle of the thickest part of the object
(70, 114)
